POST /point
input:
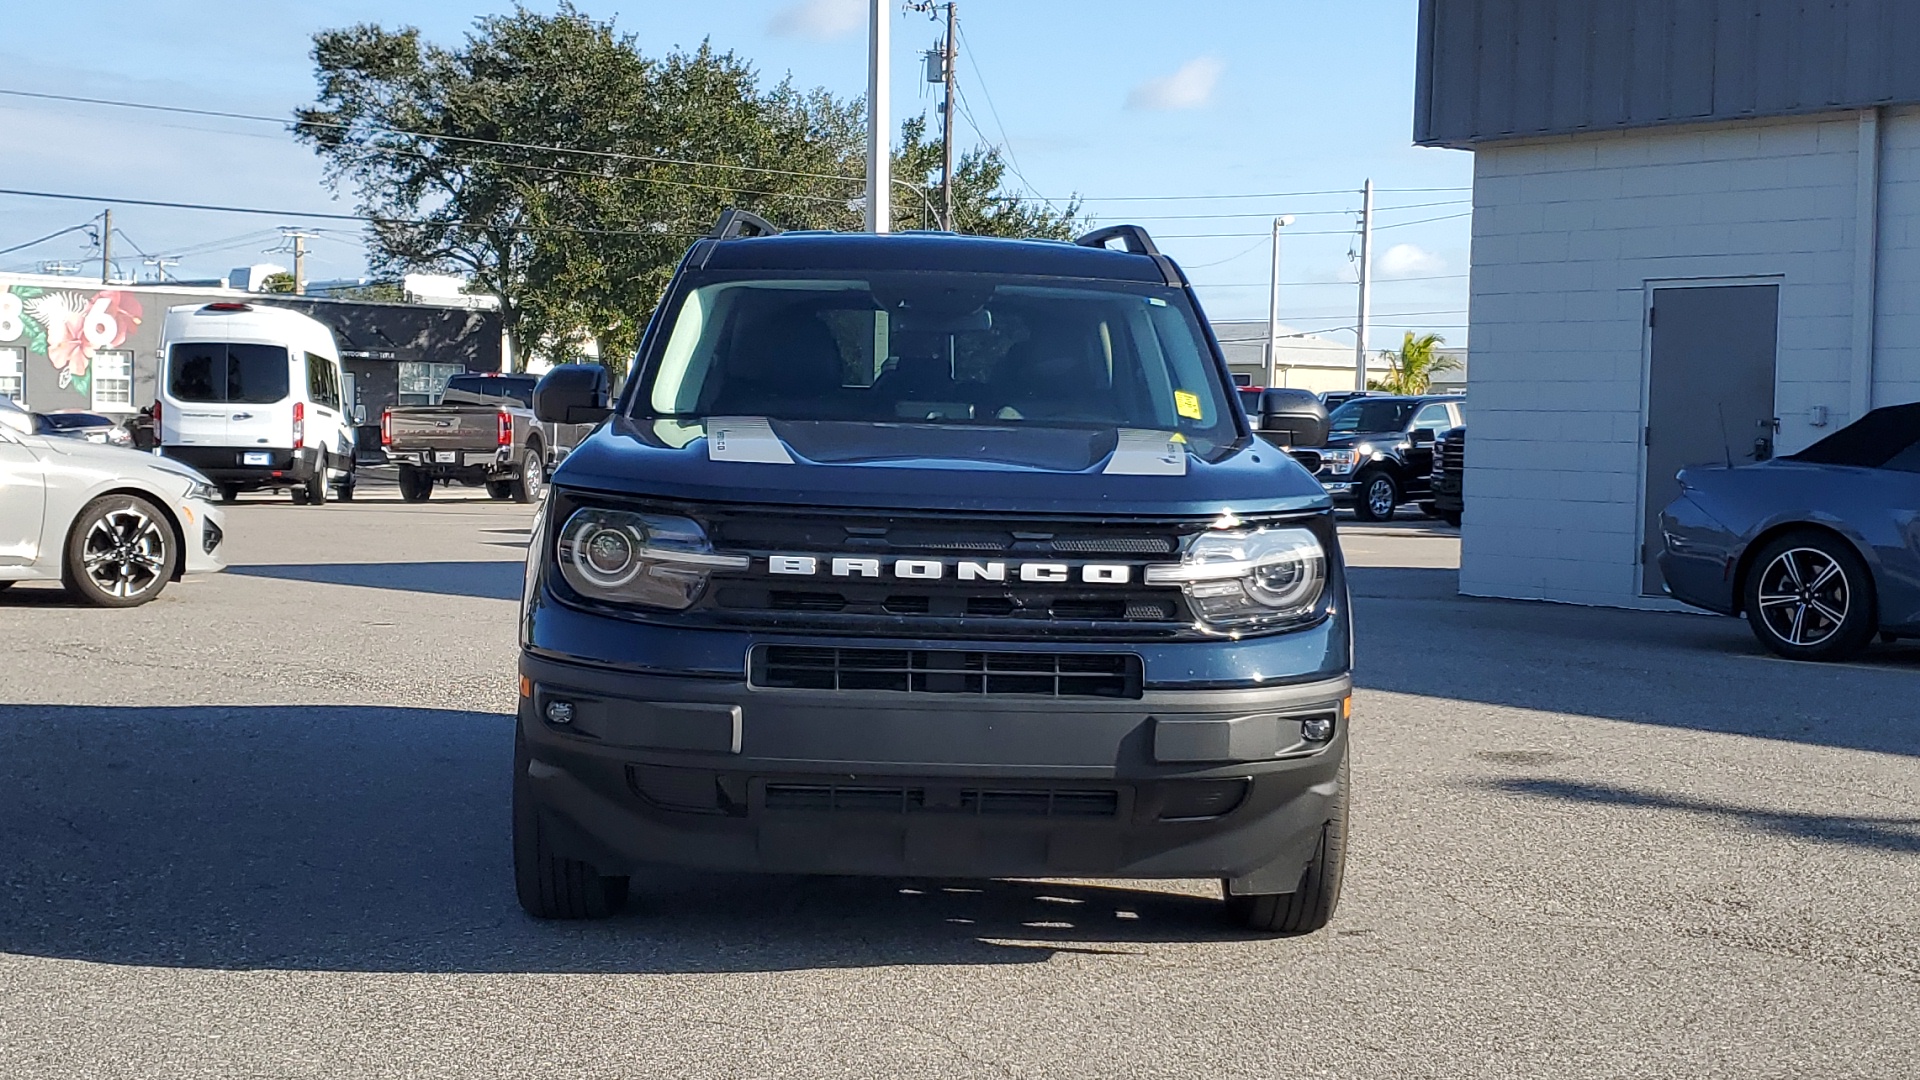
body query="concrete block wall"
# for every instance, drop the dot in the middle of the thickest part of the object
(1569, 232)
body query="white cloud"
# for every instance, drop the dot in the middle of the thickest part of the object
(1189, 88)
(819, 20)
(1407, 260)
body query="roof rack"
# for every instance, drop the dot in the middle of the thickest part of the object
(1134, 238)
(1136, 242)
(734, 224)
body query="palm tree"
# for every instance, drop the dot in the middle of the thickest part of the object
(1414, 365)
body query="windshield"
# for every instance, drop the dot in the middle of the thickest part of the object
(959, 349)
(215, 371)
(1371, 414)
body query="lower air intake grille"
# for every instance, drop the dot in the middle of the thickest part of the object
(942, 671)
(978, 802)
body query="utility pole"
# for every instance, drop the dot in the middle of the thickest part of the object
(160, 264)
(1273, 304)
(106, 248)
(1366, 289)
(879, 121)
(298, 239)
(952, 51)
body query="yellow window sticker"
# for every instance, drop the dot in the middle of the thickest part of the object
(1187, 404)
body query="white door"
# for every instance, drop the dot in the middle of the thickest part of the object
(23, 502)
(261, 390)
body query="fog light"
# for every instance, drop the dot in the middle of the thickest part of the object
(1317, 729)
(559, 712)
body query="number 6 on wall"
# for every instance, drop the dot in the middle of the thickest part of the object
(101, 329)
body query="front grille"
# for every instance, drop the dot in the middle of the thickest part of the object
(1450, 455)
(946, 671)
(977, 802)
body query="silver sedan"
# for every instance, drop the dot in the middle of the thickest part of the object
(113, 525)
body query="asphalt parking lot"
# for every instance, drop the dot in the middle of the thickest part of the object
(259, 828)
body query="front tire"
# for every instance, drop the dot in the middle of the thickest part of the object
(1311, 906)
(120, 552)
(415, 486)
(1377, 493)
(531, 481)
(551, 887)
(1809, 596)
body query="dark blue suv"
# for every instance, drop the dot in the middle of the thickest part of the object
(930, 555)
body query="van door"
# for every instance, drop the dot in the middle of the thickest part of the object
(259, 395)
(326, 413)
(194, 395)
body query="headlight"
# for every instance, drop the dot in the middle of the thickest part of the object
(652, 559)
(1262, 577)
(198, 486)
(1341, 460)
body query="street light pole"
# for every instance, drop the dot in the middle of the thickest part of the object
(1273, 303)
(879, 123)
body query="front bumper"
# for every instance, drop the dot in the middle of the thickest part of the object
(721, 775)
(203, 527)
(1339, 488)
(230, 465)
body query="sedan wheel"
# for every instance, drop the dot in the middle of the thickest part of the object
(1811, 598)
(120, 553)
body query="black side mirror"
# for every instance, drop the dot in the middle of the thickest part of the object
(1293, 417)
(573, 394)
(1421, 436)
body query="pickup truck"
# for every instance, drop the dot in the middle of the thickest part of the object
(482, 432)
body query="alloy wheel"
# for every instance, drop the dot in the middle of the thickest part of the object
(1380, 496)
(1804, 596)
(125, 552)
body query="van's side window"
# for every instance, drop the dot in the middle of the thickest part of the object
(323, 381)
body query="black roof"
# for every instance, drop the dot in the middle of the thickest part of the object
(922, 251)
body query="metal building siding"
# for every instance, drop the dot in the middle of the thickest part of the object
(1501, 69)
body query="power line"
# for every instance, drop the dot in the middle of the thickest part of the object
(333, 216)
(503, 144)
(44, 239)
(1423, 221)
(1013, 161)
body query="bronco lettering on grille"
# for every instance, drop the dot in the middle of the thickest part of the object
(1045, 573)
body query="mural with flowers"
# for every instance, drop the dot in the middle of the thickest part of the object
(65, 327)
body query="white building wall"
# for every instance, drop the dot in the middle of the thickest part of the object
(1567, 235)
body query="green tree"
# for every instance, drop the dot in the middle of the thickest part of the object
(281, 282)
(1414, 365)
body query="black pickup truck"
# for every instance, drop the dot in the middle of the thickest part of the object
(482, 432)
(934, 555)
(1449, 473)
(1379, 450)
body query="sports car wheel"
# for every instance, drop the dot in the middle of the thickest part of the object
(120, 553)
(1810, 597)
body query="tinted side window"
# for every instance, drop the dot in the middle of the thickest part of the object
(256, 374)
(198, 372)
(323, 383)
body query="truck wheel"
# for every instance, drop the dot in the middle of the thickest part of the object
(499, 489)
(1376, 494)
(120, 553)
(1451, 517)
(551, 887)
(528, 485)
(229, 493)
(1810, 597)
(415, 486)
(344, 492)
(1309, 907)
(316, 486)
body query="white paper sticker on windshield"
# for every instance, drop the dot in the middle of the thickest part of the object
(745, 438)
(1148, 453)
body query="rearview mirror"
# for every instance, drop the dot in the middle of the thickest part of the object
(573, 394)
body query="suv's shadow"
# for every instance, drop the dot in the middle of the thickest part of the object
(375, 839)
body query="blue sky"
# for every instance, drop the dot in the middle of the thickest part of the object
(1115, 101)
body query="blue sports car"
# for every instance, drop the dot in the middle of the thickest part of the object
(1820, 550)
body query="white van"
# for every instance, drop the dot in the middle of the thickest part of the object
(251, 396)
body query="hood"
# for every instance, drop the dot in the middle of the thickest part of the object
(112, 460)
(1347, 438)
(935, 467)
